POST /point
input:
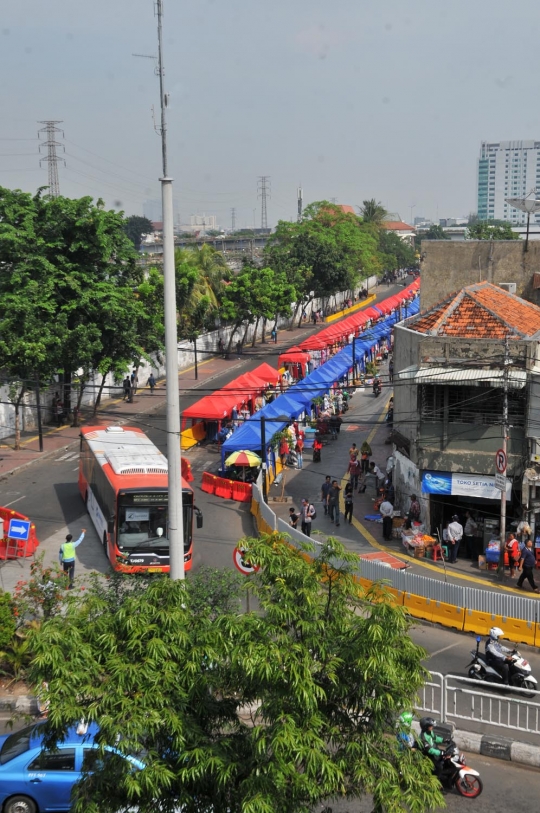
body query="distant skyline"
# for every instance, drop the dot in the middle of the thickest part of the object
(352, 100)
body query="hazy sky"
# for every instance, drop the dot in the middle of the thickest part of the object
(353, 98)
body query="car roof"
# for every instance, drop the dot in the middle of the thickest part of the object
(75, 735)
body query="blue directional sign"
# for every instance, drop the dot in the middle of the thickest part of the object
(19, 529)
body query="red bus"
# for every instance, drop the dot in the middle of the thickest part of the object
(123, 481)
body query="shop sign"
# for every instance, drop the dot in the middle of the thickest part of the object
(466, 485)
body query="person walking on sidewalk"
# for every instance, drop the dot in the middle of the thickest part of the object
(365, 454)
(299, 449)
(325, 490)
(354, 470)
(151, 383)
(308, 513)
(333, 502)
(387, 512)
(455, 535)
(348, 497)
(354, 451)
(512, 549)
(127, 388)
(273, 335)
(293, 517)
(67, 556)
(527, 565)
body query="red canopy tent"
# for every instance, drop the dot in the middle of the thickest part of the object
(294, 355)
(221, 403)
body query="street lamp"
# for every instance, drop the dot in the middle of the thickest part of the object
(527, 204)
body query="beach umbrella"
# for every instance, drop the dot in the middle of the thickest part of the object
(244, 458)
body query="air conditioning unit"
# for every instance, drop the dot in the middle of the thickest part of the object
(508, 286)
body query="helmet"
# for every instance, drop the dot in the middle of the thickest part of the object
(495, 633)
(406, 718)
(426, 722)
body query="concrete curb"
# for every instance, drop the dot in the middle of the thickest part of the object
(490, 746)
(24, 704)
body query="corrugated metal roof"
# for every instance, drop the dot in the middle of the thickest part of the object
(473, 376)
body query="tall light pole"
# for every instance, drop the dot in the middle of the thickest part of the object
(176, 523)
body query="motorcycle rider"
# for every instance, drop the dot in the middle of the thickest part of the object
(377, 386)
(429, 741)
(497, 655)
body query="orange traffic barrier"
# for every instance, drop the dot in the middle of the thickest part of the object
(13, 548)
(522, 632)
(418, 606)
(208, 483)
(241, 491)
(447, 614)
(223, 488)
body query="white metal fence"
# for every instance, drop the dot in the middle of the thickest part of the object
(452, 698)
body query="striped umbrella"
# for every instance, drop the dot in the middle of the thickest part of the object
(243, 459)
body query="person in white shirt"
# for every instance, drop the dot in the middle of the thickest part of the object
(455, 535)
(387, 512)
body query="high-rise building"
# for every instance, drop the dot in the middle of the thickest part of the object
(507, 169)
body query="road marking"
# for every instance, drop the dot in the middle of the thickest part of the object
(75, 469)
(13, 502)
(444, 649)
(68, 456)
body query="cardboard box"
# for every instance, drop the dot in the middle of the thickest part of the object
(482, 564)
(419, 552)
(398, 522)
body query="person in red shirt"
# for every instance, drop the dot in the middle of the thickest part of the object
(512, 549)
(283, 451)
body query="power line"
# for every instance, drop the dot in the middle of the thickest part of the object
(233, 219)
(263, 191)
(52, 159)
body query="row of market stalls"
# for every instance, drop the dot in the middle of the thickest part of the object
(257, 432)
(316, 350)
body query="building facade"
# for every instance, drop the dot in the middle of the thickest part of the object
(449, 391)
(507, 169)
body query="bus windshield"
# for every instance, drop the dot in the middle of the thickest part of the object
(143, 523)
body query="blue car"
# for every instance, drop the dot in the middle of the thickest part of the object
(34, 780)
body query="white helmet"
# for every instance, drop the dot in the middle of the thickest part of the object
(496, 633)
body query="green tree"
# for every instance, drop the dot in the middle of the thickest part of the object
(271, 711)
(401, 251)
(490, 231)
(136, 227)
(373, 211)
(434, 232)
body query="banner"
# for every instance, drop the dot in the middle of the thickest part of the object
(466, 485)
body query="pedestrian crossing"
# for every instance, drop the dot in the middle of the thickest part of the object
(67, 457)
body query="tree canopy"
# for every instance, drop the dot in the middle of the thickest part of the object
(490, 231)
(272, 711)
(372, 211)
(136, 227)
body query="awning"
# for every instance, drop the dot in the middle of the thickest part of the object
(294, 355)
(472, 376)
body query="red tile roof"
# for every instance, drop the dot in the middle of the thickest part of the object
(348, 210)
(397, 225)
(480, 311)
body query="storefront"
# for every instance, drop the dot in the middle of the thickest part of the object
(448, 493)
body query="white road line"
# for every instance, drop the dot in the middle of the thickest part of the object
(13, 502)
(444, 649)
(75, 469)
(64, 457)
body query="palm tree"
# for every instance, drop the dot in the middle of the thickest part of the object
(373, 211)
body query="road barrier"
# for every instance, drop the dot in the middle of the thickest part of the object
(466, 609)
(192, 436)
(16, 548)
(208, 483)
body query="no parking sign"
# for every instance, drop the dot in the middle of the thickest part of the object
(242, 564)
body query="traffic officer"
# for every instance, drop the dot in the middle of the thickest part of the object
(67, 556)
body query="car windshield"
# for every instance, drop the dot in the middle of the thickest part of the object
(16, 744)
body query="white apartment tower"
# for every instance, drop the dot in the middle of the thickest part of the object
(507, 169)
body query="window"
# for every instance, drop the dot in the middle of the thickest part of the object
(470, 404)
(16, 744)
(62, 760)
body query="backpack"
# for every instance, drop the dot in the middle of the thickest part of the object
(314, 514)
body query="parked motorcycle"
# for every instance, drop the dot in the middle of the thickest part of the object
(520, 671)
(454, 772)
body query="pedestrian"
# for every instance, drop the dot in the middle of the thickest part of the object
(455, 535)
(325, 489)
(283, 451)
(391, 370)
(348, 498)
(221, 346)
(299, 449)
(333, 502)
(512, 549)
(67, 556)
(377, 473)
(365, 454)
(134, 382)
(273, 334)
(293, 517)
(127, 388)
(59, 412)
(314, 317)
(354, 470)
(354, 451)
(527, 564)
(387, 512)
(469, 532)
(239, 348)
(308, 514)
(151, 383)
(413, 514)
(317, 447)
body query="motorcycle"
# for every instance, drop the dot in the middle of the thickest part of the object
(377, 389)
(454, 772)
(519, 672)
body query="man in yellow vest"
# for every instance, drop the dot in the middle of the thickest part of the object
(67, 556)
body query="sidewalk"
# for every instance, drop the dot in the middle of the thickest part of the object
(365, 419)
(116, 410)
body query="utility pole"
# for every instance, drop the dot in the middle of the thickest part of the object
(52, 159)
(176, 521)
(299, 195)
(263, 191)
(233, 219)
(506, 429)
